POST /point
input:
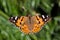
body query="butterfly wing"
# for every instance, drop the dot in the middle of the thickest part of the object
(37, 24)
(22, 23)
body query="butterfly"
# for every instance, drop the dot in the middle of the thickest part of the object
(30, 24)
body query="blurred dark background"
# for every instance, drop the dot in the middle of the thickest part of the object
(8, 8)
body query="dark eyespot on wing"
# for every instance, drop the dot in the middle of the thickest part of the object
(38, 19)
(20, 22)
(22, 19)
(39, 22)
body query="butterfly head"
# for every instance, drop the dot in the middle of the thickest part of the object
(13, 19)
(45, 18)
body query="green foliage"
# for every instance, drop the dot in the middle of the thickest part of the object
(8, 31)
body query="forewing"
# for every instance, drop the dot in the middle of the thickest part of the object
(22, 23)
(37, 23)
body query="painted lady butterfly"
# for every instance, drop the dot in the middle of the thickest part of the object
(30, 24)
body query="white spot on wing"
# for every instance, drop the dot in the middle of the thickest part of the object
(11, 17)
(47, 16)
(45, 20)
(14, 21)
(15, 17)
(43, 16)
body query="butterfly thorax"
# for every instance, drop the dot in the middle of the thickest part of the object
(29, 22)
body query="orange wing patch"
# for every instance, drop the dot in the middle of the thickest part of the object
(36, 28)
(25, 29)
(40, 21)
(20, 21)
